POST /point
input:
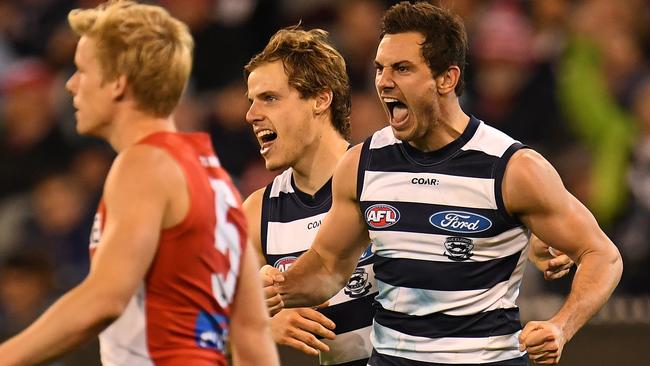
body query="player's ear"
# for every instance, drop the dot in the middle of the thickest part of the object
(118, 87)
(447, 80)
(322, 101)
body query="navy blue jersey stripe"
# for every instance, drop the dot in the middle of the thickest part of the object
(470, 163)
(444, 276)
(287, 208)
(378, 359)
(416, 218)
(266, 212)
(486, 324)
(351, 315)
(361, 362)
(363, 165)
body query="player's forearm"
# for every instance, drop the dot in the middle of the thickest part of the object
(594, 281)
(73, 319)
(257, 348)
(309, 282)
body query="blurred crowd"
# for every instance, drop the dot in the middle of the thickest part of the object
(570, 78)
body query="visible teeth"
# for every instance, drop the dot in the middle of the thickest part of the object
(389, 100)
(263, 133)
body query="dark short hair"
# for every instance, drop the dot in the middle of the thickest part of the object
(312, 65)
(445, 43)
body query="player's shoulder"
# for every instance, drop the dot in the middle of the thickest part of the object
(350, 159)
(529, 181)
(146, 166)
(253, 203)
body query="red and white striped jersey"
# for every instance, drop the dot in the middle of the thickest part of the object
(180, 314)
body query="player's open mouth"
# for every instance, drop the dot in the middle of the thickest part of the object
(266, 138)
(397, 110)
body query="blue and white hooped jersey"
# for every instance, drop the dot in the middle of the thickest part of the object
(290, 221)
(448, 257)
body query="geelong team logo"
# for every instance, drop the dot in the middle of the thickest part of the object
(284, 263)
(358, 285)
(458, 249)
(381, 216)
(460, 222)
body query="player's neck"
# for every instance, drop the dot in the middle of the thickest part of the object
(317, 165)
(132, 125)
(450, 124)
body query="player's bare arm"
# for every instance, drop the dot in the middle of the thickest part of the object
(297, 328)
(137, 195)
(326, 267)
(250, 324)
(550, 261)
(534, 191)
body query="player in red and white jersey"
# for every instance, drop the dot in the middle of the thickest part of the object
(171, 280)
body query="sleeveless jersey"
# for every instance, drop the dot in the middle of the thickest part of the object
(180, 313)
(448, 257)
(290, 221)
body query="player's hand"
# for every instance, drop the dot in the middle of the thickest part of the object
(271, 295)
(553, 263)
(300, 328)
(558, 266)
(544, 342)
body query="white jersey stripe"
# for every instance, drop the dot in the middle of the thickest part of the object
(420, 302)
(350, 346)
(430, 247)
(290, 237)
(451, 190)
(282, 184)
(489, 140)
(125, 341)
(382, 138)
(446, 350)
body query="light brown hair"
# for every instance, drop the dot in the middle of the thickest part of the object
(144, 43)
(312, 65)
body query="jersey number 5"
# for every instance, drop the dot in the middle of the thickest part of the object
(227, 241)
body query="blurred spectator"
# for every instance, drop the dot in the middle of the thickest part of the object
(54, 219)
(26, 289)
(592, 78)
(367, 116)
(31, 144)
(634, 230)
(356, 35)
(508, 86)
(235, 144)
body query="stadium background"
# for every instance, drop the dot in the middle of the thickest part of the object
(570, 78)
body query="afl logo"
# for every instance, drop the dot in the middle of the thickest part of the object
(381, 216)
(460, 222)
(284, 263)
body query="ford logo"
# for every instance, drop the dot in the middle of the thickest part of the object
(460, 222)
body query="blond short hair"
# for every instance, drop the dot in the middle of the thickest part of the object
(144, 43)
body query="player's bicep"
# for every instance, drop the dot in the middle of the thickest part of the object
(136, 198)
(534, 191)
(252, 207)
(343, 235)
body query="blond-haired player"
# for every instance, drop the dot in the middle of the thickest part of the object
(171, 279)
